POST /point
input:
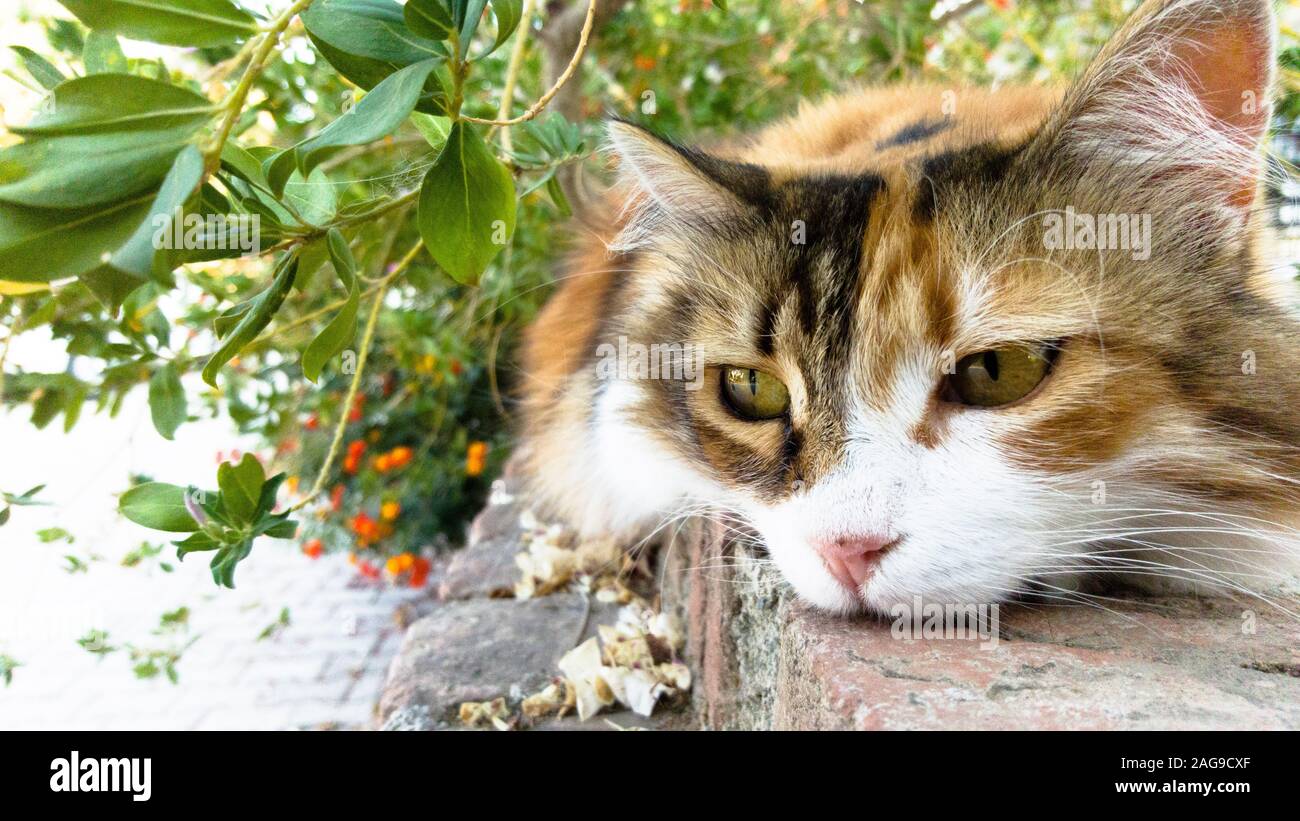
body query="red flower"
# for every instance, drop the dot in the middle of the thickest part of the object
(420, 571)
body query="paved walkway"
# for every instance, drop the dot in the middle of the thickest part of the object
(324, 669)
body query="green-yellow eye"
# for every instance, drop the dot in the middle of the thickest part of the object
(990, 379)
(754, 394)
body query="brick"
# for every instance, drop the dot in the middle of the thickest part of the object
(765, 661)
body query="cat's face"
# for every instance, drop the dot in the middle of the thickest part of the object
(913, 386)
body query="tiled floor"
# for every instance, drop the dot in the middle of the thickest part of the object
(325, 668)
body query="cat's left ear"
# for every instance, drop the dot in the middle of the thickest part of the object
(1178, 98)
(673, 190)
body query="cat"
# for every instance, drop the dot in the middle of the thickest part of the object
(956, 343)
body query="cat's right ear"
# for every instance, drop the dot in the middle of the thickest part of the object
(1174, 107)
(676, 189)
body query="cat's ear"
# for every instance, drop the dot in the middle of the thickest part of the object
(675, 189)
(1178, 97)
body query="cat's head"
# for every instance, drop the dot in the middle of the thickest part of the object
(921, 377)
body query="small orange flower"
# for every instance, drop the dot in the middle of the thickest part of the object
(389, 511)
(400, 456)
(644, 62)
(475, 458)
(358, 407)
(366, 528)
(313, 548)
(336, 497)
(399, 564)
(312, 423)
(383, 463)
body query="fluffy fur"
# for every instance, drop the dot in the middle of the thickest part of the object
(1153, 450)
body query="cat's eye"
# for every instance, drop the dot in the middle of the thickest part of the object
(990, 379)
(754, 394)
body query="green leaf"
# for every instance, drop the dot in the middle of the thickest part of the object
(557, 196)
(40, 68)
(241, 487)
(195, 543)
(375, 116)
(256, 317)
(225, 323)
(227, 558)
(41, 245)
(83, 170)
(372, 29)
(466, 15)
(117, 102)
(266, 502)
(429, 18)
(467, 206)
(286, 529)
(312, 199)
(167, 400)
(367, 40)
(339, 332)
(158, 506)
(137, 255)
(171, 22)
(102, 54)
(508, 14)
(434, 129)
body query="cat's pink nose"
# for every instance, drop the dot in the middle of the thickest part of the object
(852, 559)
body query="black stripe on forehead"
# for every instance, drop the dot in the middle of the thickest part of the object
(978, 165)
(824, 269)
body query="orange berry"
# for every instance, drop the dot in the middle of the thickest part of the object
(383, 463)
(313, 548)
(389, 511)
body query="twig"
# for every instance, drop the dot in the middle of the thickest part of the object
(512, 70)
(234, 106)
(367, 339)
(537, 107)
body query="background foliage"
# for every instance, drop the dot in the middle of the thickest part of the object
(404, 245)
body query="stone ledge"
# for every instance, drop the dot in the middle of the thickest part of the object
(478, 643)
(765, 661)
(761, 660)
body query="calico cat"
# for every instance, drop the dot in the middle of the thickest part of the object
(922, 373)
